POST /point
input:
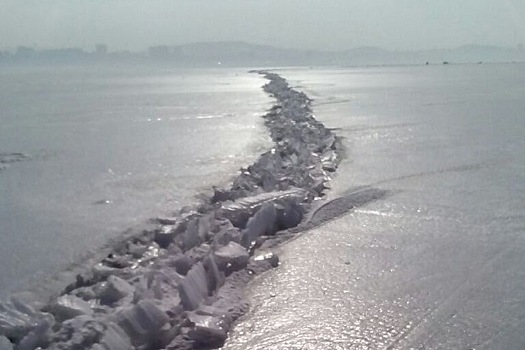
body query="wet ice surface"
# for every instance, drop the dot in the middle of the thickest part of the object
(87, 152)
(437, 263)
(180, 284)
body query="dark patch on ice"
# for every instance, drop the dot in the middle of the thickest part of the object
(103, 202)
(6, 159)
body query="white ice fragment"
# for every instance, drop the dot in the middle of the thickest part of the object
(162, 287)
(208, 332)
(101, 272)
(137, 250)
(207, 310)
(194, 288)
(39, 335)
(262, 223)
(191, 235)
(115, 339)
(26, 302)
(69, 306)
(14, 323)
(233, 254)
(116, 289)
(270, 257)
(5, 344)
(142, 321)
(260, 199)
(167, 220)
(226, 233)
(214, 275)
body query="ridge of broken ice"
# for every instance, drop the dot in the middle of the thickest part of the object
(179, 286)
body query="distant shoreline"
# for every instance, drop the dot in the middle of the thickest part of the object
(242, 54)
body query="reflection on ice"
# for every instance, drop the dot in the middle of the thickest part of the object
(179, 286)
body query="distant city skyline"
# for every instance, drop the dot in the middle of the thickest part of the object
(335, 25)
(103, 48)
(245, 54)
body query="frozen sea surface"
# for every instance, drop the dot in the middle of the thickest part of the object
(438, 263)
(87, 152)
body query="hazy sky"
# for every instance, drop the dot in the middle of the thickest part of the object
(317, 24)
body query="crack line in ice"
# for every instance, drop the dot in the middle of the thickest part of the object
(179, 286)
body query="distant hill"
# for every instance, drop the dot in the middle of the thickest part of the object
(237, 53)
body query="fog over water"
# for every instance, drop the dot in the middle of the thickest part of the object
(311, 24)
